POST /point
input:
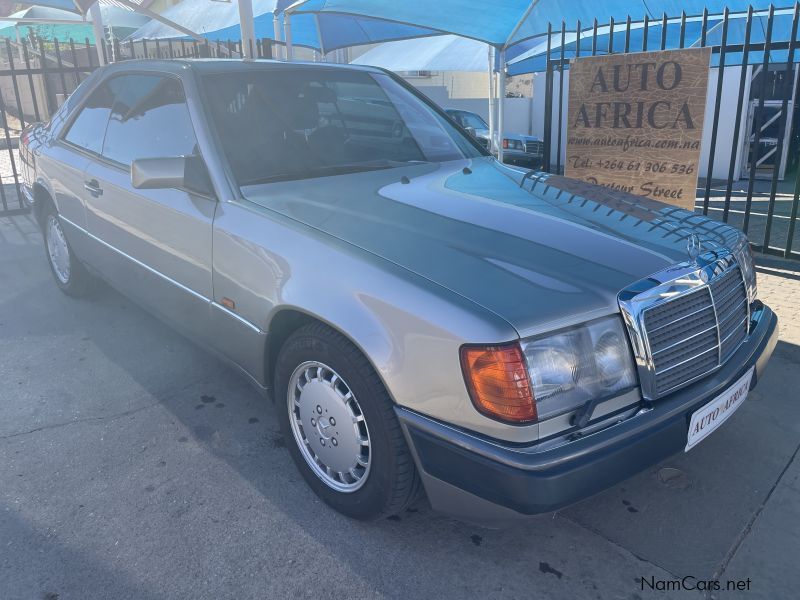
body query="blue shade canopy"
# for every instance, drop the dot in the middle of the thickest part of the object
(535, 59)
(219, 21)
(506, 22)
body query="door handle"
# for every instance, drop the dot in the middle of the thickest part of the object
(93, 187)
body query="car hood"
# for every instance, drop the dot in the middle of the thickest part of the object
(541, 252)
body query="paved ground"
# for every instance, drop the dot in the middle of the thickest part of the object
(134, 465)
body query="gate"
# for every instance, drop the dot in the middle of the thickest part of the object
(36, 76)
(755, 57)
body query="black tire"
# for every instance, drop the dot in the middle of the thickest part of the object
(392, 482)
(75, 280)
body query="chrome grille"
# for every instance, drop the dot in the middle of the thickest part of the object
(686, 327)
(730, 299)
(533, 148)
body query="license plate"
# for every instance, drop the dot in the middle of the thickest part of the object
(706, 420)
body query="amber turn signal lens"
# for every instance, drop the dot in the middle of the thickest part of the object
(497, 379)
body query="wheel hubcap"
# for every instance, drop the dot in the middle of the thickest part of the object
(57, 249)
(328, 426)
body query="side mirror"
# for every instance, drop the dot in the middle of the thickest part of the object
(471, 131)
(182, 172)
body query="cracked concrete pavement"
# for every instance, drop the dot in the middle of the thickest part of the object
(135, 465)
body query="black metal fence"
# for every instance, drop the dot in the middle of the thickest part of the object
(36, 76)
(760, 192)
(763, 199)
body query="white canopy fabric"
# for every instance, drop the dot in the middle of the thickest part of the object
(78, 6)
(440, 53)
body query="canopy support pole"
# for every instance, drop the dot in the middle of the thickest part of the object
(19, 42)
(287, 35)
(99, 32)
(501, 105)
(319, 36)
(492, 103)
(276, 33)
(247, 28)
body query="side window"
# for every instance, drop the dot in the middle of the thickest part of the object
(89, 127)
(149, 119)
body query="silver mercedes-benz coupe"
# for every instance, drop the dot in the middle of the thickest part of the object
(424, 318)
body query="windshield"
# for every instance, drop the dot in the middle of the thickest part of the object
(284, 124)
(468, 119)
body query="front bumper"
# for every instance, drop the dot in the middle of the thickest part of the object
(27, 195)
(489, 481)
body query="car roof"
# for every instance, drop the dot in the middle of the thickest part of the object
(224, 65)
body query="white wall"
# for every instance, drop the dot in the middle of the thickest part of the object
(727, 122)
(459, 84)
(518, 111)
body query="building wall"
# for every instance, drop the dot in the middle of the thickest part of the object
(458, 84)
(518, 115)
(727, 122)
(462, 84)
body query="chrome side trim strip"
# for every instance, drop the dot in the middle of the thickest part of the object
(166, 278)
(239, 318)
(197, 295)
(27, 194)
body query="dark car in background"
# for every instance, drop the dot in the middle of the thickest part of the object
(519, 149)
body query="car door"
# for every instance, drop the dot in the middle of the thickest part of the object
(66, 160)
(161, 238)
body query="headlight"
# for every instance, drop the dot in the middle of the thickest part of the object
(744, 256)
(578, 365)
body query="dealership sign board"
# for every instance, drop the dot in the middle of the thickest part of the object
(636, 122)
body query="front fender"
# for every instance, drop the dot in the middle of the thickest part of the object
(410, 328)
